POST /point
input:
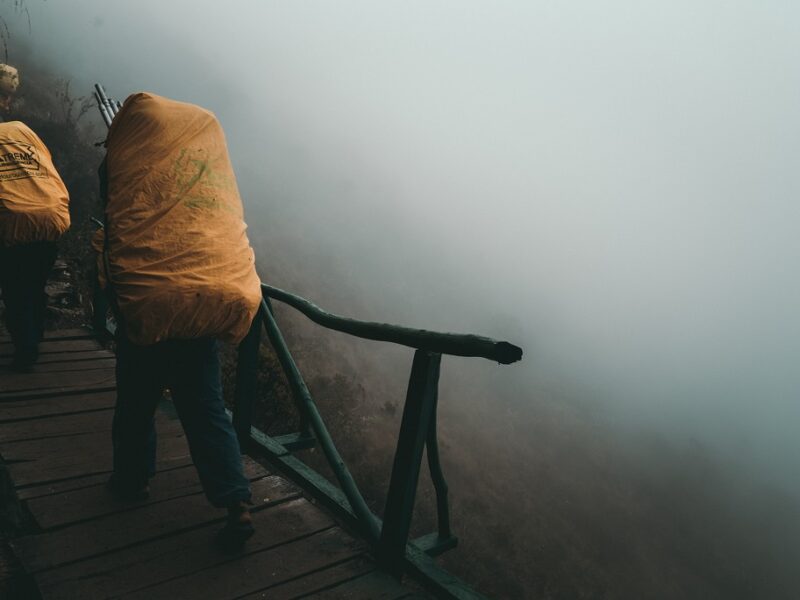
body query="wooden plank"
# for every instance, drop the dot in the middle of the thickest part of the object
(108, 533)
(375, 586)
(56, 426)
(58, 334)
(81, 445)
(81, 455)
(51, 346)
(90, 502)
(130, 569)
(57, 450)
(38, 473)
(60, 425)
(56, 357)
(317, 581)
(47, 489)
(68, 333)
(56, 391)
(108, 362)
(14, 383)
(56, 405)
(84, 481)
(248, 574)
(104, 360)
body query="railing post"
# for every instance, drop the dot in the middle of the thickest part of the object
(305, 425)
(309, 409)
(246, 380)
(417, 414)
(437, 476)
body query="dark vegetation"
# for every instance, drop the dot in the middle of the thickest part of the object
(548, 502)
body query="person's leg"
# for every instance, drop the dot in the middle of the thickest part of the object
(5, 282)
(139, 389)
(43, 257)
(197, 394)
(23, 277)
(12, 284)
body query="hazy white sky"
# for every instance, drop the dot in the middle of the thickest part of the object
(613, 185)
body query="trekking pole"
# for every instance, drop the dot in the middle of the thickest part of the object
(108, 107)
(103, 110)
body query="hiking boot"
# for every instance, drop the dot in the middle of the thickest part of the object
(126, 492)
(238, 528)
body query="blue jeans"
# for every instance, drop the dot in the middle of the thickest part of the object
(191, 370)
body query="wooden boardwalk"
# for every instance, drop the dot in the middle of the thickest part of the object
(55, 439)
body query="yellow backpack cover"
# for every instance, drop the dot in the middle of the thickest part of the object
(34, 203)
(180, 263)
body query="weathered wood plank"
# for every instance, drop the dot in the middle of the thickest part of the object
(56, 391)
(104, 361)
(56, 426)
(108, 533)
(47, 489)
(38, 473)
(317, 581)
(56, 405)
(90, 502)
(81, 455)
(56, 450)
(130, 569)
(84, 481)
(50, 346)
(58, 334)
(248, 574)
(81, 445)
(61, 425)
(18, 383)
(57, 357)
(375, 586)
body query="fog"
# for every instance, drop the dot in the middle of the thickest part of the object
(613, 186)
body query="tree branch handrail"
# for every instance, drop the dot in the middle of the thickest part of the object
(421, 339)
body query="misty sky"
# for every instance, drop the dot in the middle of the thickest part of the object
(612, 185)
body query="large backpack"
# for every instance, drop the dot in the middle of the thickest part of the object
(177, 255)
(34, 203)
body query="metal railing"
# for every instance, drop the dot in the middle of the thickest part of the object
(418, 430)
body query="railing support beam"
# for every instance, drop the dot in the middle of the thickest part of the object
(309, 410)
(305, 425)
(440, 485)
(417, 417)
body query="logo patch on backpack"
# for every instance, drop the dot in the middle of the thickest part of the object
(18, 160)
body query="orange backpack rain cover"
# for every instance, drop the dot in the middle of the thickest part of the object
(34, 203)
(180, 263)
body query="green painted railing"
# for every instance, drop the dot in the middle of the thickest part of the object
(389, 538)
(417, 430)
